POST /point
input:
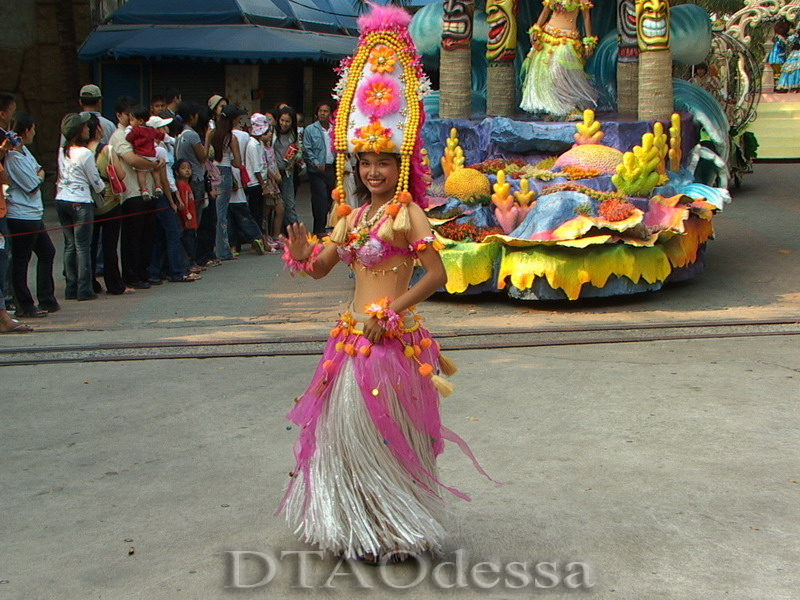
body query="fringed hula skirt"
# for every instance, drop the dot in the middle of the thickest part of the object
(365, 480)
(555, 82)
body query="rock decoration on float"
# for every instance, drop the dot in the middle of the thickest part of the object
(501, 50)
(655, 60)
(455, 60)
(593, 221)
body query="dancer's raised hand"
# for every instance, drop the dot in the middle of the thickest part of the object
(297, 241)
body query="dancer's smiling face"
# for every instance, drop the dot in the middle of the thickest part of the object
(379, 173)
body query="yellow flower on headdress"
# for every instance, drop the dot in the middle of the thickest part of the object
(373, 138)
(382, 59)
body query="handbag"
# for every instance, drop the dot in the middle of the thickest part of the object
(244, 176)
(106, 200)
(105, 165)
(117, 185)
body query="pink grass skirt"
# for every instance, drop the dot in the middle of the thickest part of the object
(366, 480)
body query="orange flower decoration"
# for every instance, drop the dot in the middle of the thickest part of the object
(379, 94)
(373, 138)
(382, 59)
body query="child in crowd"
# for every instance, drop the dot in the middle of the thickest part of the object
(273, 201)
(143, 139)
(165, 150)
(187, 212)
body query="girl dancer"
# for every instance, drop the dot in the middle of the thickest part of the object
(365, 483)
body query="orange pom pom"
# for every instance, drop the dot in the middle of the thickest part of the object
(365, 350)
(393, 209)
(328, 365)
(335, 332)
(343, 210)
(417, 350)
(336, 194)
(350, 349)
(425, 370)
(425, 343)
(404, 197)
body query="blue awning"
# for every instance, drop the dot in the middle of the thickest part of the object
(328, 16)
(244, 43)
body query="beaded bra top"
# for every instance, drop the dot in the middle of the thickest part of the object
(364, 246)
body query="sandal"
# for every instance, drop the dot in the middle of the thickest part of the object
(394, 558)
(190, 278)
(18, 328)
(34, 313)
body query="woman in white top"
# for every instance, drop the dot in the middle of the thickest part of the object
(226, 157)
(29, 235)
(77, 177)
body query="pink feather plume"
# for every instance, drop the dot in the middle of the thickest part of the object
(383, 17)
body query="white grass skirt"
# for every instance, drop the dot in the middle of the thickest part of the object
(362, 500)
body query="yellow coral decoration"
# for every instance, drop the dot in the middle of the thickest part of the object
(502, 191)
(450, 153)
(675, 153)
(660, 143)
(467, 185)
(588, 131)
(458, 159)
(525, 195)
(638, 174)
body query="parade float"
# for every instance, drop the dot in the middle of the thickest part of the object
(619, 202)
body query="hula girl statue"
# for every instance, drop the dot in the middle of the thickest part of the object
(365, 485)
(789, 81)
(554, 80)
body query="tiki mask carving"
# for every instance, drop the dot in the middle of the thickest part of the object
(501, 17)
(652, 24)
(457, 24)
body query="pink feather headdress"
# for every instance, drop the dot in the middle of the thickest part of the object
(380, 93)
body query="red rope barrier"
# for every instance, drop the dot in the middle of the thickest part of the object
(143, 212)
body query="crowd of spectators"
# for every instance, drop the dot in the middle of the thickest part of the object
(168, 191)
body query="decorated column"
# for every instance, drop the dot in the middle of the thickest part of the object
(501, 50)
(655, 60)
(455, 61)
(627, 60)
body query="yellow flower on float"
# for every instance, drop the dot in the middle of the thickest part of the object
(373, 138)
(382, 59)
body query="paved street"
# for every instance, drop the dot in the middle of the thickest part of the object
(664, 458)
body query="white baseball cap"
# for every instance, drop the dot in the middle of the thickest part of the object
(157, 122)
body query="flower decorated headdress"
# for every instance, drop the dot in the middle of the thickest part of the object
(380, 93)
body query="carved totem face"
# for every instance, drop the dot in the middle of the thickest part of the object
(652, 24)
(626, 23)
(457, 24)
(501, 17)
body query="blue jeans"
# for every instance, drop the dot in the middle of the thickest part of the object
(76, 218)
(243, 227)
(167, 243)
(4, 262)
(287, 193)
(222, 245)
